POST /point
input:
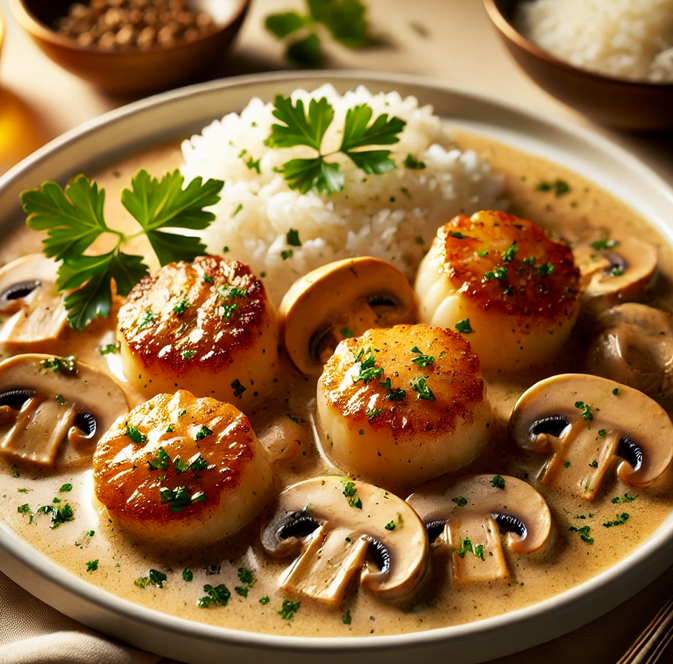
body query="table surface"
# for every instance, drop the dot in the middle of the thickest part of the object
(450, 40)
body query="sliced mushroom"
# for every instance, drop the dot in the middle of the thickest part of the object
(337, 528)
(469, 516)
(635, 347)
(615, 271)
(46, 400)
(339, 300)
(587, 423)
(30, 306)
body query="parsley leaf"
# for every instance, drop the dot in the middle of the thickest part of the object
(288, 609)
(300, 128)
(305, 52)
(74, 218)
(284, 23)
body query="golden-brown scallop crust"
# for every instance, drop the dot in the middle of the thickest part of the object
(454, 379)
(510, 265)
(201, 314)
(129, 488)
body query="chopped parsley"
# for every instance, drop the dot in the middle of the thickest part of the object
(500, 273)
(148, 318)
(134, 434)
(197, 464)
(187, 354)
(583, 533)
(373, 413)
(615, 391)
(289, 609)
(218, 595)
(460, 501)
(208, 279)
(467, 547)
(242, 590)
(424, 392)
(347, 333)
(65, 488)
(179, 498)
(498, 482)
(464, 327)
(544, 269)
(246, 576)
(509, 253)
(566, 464)
(203, 432)
(367, 369)
(181, 306)
(229, 292)
(110, 348)
(349, 488)
(238, 387)
(482, 253)
(422, 360)
(228, 310)
(285, 254)
(394, 394)
(92, 565)
(60, 398)
(390, 525)
(253, 164)
(586, 410)
(160, 461)
(460, 236)
(602, 432)
(264, 600)
(626, 498)
(604, 243)
(292, 238)
(559, 187)
(346, 618)
(58, 515)
(411, 162)
(593, 464)
(619, 521)
(65, 365)
(25, 509)
(154, 578)
(616, 271)
(187, 575)
(239, 207)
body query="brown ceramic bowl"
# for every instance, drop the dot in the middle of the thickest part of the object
(605, 99)
(126, 72)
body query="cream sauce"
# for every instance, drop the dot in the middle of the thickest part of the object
(586, 211)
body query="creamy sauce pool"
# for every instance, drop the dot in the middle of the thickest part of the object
(585, 212)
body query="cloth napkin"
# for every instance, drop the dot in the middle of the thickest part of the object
(33, 633)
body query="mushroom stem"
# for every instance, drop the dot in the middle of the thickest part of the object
(476, 565)
(37, 430)
(568, 468)
(328, 562)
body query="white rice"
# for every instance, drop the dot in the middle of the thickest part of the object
(375, 215)
(630, 39)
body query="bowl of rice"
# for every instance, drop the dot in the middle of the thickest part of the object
(611, 61)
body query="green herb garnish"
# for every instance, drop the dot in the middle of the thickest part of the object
(292, 238)
(109, 348)
(238, 388)
(154, 578)
(188, 575)
(498, 482)
(460, 501)
(583, 533)
(500, 273)
(134, 434)
(509, 253)
(160, 461)
(308, 129)
(619, 521)
(218, 595)
(65, 365)
(422, 360)
(73, 219)
(411, 162)
(459, 236)
(604, 243)
(289, 609)
(65, 488)
(346, 618)
(178, 498)
(424, 392)
(390, 525)
(626, 498)
(464, 327)
(586, 410)
(92, 565)
(59, 515)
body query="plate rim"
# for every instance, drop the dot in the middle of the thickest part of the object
(652, 549)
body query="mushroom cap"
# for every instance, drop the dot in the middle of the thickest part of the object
(42, 406)
(618, 273)
(342, 299)
(635, 347)
(30, 305)
(633, 426)
(517, 500)
(324, 500)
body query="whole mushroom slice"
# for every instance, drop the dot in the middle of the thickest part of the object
(338, 528)
(587, 423)
(635, 347)
(339, 300)
(30, 305)
(45, 401)
(615, 271)
(470, 516)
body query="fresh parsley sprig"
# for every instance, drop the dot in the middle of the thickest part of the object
(300, 127)
(345, 20)
(73, 219)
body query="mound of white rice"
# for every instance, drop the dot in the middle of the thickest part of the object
(392, 216)
(630, 39)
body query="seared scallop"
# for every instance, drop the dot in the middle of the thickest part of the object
(401, 405)
(206, 326)
(182, 470)
(505, 283)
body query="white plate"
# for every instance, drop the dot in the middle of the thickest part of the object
(183, 112)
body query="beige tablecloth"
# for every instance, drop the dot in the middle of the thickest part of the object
(446, 39)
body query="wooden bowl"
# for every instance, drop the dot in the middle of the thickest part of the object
(126, 72)
(608, 100)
